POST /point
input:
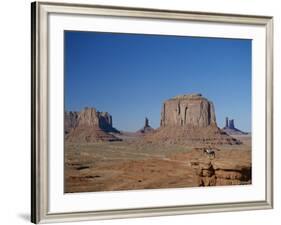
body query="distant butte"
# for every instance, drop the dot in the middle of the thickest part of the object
(89, 125)
(191, 110)
(146, 128)
(230, 129)
(190, 119)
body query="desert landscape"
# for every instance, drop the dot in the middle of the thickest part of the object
(188, 149)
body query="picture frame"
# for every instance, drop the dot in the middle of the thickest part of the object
(41, 90)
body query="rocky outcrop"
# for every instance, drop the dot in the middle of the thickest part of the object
(90, 125)
(70, 121)
(230, 128)
(146, 128)
(190, 119)
(214, 173)
(188, 111)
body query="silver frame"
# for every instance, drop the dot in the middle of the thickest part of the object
(39, 149)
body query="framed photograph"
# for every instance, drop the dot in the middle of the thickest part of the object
(147, 112)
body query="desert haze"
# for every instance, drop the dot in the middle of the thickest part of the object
(187, 150)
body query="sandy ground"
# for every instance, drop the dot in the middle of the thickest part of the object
(133, 164)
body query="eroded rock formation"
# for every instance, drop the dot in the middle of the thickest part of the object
(146, 128)
(90, 125)
(188, 110)
(230, 128)
(190, 119)
(214, 173)
(91, 117)
(70, 121)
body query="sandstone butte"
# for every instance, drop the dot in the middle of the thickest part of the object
(190, 119)
(191, 110)
(89, 125)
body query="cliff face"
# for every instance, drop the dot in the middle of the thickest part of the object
(89, 125)
(188, 111)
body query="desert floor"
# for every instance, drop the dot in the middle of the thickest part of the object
(133, 164)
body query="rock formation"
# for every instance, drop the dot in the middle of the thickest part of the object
(230, 129)
(190, 119)
(70, 121)
(91, 117)
(146, 128)
(90, 125)
(188, 110)
(214, 173)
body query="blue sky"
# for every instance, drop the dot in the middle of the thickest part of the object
(130, 75)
